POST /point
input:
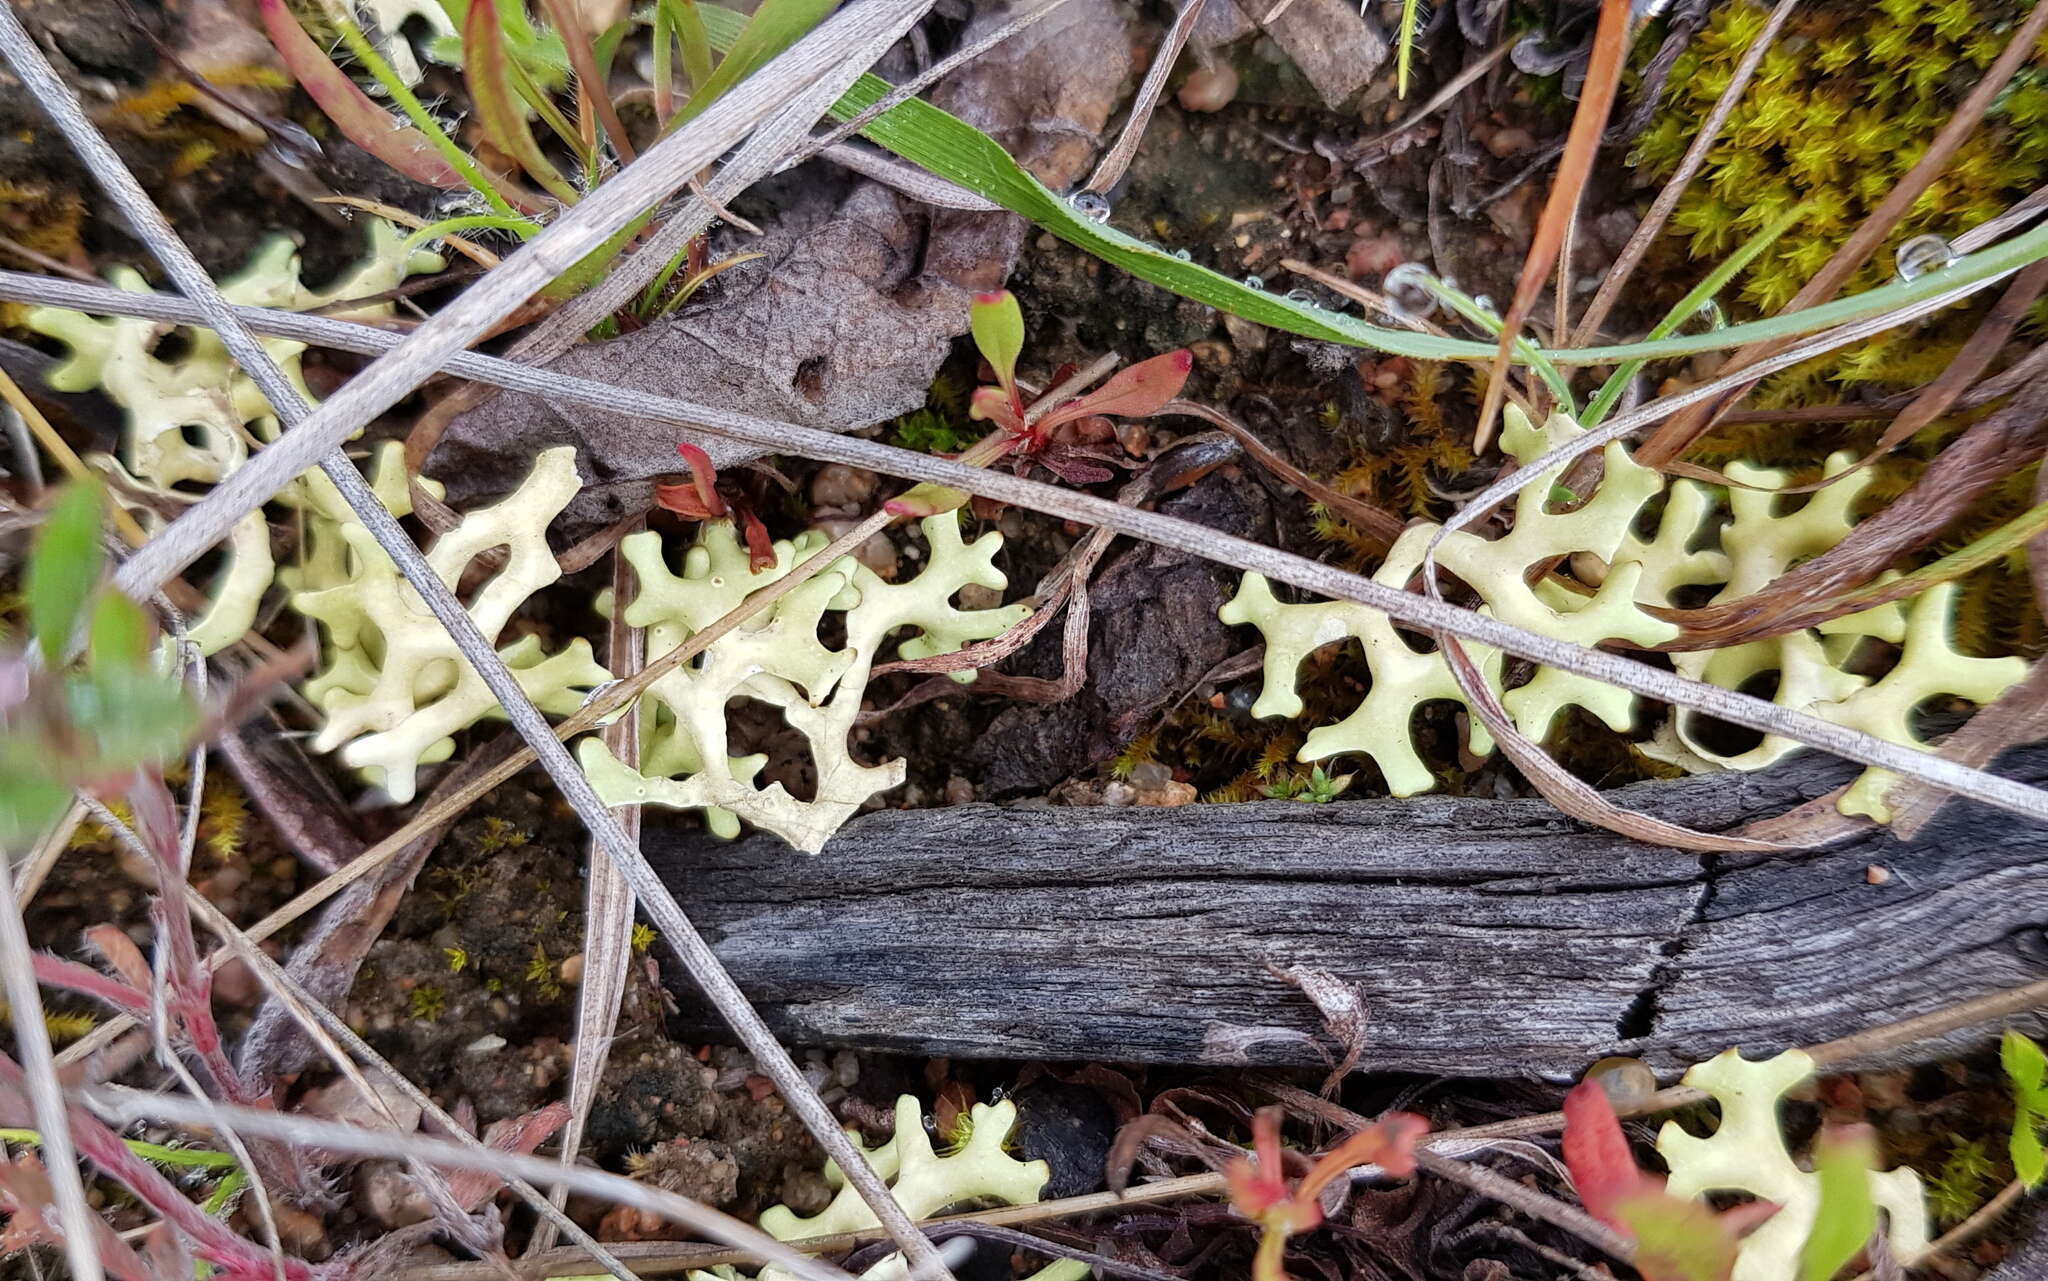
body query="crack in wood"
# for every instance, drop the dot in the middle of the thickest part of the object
(1489, 937)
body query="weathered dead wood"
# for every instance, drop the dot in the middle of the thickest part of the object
(1490, 937)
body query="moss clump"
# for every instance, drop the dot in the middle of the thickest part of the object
(426, 1002)
(1843, 104)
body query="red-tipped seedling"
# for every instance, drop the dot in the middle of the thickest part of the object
(1071, 439)
(1259, 1188)
(699, 499)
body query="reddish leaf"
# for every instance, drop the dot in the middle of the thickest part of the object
(995, 405)
(1137, 392)
(1596, 1152)
(1676, 1239)
(70, 976)
(503, 117)
(122, 956)
(366, 124)
(521, 1134)
(1388, 1143)
(1259, 1185)
(697, 500)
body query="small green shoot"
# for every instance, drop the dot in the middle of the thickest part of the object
(1315, 788)
(65, 568)
(2027, 1068)
(1843, 1157)
(80, 719)
(1411, 27)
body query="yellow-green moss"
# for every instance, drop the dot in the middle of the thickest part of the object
(1841, 107)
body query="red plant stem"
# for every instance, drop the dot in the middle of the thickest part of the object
(101, 1146)
(70, 976)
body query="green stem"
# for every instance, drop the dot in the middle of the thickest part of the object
(458, 159)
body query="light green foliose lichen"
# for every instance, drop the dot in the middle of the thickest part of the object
(1747, 1154)
(192, 416)
(778, 658)
(922, 1181)
(395, 688)
(1819, 671)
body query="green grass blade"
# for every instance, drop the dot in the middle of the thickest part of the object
(520, 227)
(1411, 21)
(954, 149)
(775, 26)
(1688, 306)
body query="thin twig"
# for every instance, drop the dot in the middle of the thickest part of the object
(119, 1105)
(1478, 67)
(1110, 169)
(607, 908)
(1412, 610)
(1532, 1203)
(46, 1098)
(1695, 156)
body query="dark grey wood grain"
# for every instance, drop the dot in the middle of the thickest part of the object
(1489, 937)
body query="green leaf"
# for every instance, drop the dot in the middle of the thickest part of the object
(688, 25)
(65, 567)
(489, 75)
(1846, 1217)
(2029, 1162)
(29, 802)
(1677, 1240)
(120, 631)
(998, 327)
(2025, 1065)
(130, 718)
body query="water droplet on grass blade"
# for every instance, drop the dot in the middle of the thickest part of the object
(1301, 297)
(1408, 291)
(1254, 282)
(1921, 255)
(1705, 318)
(1092, 205)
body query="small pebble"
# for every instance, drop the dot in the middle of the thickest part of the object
(1589, 568)
(1876, 875)
(1628, 1082)
(570, 971)
(1150, 776)
(838, 485)
(959, 791)
(1209, 88)
(1510, 141)
(1171, 796)
(1119, 794)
